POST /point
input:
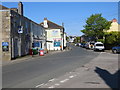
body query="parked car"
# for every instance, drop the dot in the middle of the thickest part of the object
(89, 45)
(77, 44)
(116, 49)
(99, 46)
(82, 45)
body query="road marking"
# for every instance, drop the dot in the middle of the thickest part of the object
(51, 87)
(64, 80)
(71, 76)
(57, 84)
(39, 85)
(103, 52)
(52, 80)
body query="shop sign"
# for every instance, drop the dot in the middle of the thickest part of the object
(57, 43)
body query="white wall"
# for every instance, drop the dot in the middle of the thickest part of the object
(51, 35)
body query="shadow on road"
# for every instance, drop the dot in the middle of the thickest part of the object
(112, 80)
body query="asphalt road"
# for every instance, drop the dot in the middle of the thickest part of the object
(30, 73)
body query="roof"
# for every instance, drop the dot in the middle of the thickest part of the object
(114, 20)
(52, 25)
(3, 7)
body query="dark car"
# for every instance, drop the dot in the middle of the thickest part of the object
(82, 45)
(116, 49)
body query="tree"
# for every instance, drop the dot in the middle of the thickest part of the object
(112, 37)
(95, 25)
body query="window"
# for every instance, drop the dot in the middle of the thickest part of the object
(99, 44)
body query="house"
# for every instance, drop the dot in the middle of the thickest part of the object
(18, 33)
(55, 35)
(38, 38)
(114, 26)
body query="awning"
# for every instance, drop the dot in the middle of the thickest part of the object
(49, 41)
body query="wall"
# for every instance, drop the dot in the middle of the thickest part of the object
(65, 41)
(20, 41)
(54, 35)
(6, 55)
(114, 27)
(0, 38)
(38, 35)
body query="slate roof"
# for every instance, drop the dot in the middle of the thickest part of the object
(3, 7)
(52, 25)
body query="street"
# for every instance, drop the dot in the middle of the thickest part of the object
(30, 73)
(54, 45)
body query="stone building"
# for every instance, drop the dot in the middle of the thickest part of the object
(18, 33)
(38, 37)
(55, 35)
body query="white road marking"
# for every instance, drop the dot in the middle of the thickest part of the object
(64, 80)
(39, 85)
(51, 87)
(71, 76)
(57, 84)
(51, 80)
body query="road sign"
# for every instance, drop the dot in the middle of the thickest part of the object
(5, 44)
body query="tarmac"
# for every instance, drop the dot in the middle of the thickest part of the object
(101, 72)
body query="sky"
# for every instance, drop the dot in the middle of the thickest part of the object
(72, 14)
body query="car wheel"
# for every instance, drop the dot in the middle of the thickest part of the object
(114, 51)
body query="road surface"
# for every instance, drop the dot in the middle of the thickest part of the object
(36, 71)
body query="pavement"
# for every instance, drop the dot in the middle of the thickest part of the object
(27, 57)
(101, 72)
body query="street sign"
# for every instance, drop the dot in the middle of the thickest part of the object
(20, 29)
(5, 46)
(57, 44)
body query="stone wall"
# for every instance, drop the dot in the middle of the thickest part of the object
(19, 43)
(6, 33)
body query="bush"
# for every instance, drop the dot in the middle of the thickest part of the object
(101, 40)
(113, 38)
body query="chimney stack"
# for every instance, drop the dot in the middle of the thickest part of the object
(114, 20)
(45, 23)
(20, 8)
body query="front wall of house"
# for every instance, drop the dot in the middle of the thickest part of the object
(114, 27)
(20, 41)
(38, 36)
(54, 35)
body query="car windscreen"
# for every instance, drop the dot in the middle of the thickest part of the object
(99, 44)
(92, 43)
